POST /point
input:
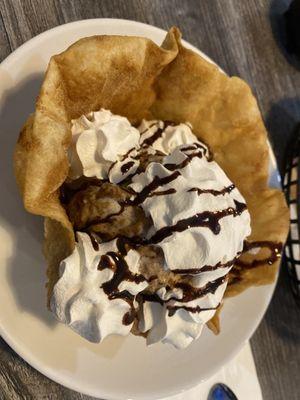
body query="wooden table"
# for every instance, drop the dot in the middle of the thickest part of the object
(242, 36)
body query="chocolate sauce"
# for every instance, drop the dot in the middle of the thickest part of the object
(105, 262)
(116, 262)
(208, 219)
(126, 167)
(240, 265)
(184, 163)
(163, 192)
(190, 292)
(127, 154)
(194, 146)
(155, 184)
(239, 208)
(94, 241)
(156, 135)
(227, 189)
(154, 298)
(172, 309)
(275, 253)
(129, 298)
(149, 127)
(205, 268)
(129, 317)
(111, 167)
(121, 274)
(128, 178)
(99, 220)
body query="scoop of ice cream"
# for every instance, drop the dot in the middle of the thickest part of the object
(98, 140)
(95, 294)
(101, 209)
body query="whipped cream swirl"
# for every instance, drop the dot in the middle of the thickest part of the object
(176, 322)
(98, 140)
(107, 145)
(90, 297)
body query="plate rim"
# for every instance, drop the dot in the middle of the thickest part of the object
(32, 360)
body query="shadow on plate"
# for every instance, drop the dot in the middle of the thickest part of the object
(25, 266)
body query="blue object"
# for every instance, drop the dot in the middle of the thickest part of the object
(220, 391)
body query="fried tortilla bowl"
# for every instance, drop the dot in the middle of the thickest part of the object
(134, 77)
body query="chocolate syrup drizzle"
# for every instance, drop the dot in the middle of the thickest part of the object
(194, 146)
(126, 167)
(184, 163)
(99, 220)
(153, 185)
(190, 293)
(116, 262)
(172, 309)
(144, 145)
(275, 249)
(163, 192)
(227, 189)
(94, 241)
(205, 268)
(156, 135)
(208, 219)
(275, 253)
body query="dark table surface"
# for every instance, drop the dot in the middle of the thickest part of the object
(245, 38)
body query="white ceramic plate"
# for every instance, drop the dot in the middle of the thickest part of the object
(119, 368)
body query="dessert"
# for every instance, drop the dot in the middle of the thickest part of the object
(142, 160)
(157, 233)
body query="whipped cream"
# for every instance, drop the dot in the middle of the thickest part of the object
(80, 298)
(107, 145)
(156, 137)
(174, 324)
(167, 135)
(201, 189)
(199, 221)
(98, 140)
